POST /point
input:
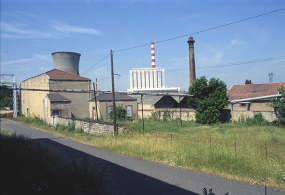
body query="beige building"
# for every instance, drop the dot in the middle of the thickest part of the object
(104, 103)
(251, 99)
(39, 96)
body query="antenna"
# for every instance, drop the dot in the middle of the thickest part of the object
(270, 77)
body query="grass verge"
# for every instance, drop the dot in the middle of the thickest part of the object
(250, 153)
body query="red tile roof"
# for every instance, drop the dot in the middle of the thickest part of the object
(61, 75)
(253, 90)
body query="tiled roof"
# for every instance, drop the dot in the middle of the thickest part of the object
(57, 98)
(253, 90)
(61, 75)
(118, 97)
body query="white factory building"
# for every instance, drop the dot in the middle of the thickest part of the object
(151, 80)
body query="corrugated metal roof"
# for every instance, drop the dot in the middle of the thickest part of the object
(253, 90)
(109, 97)
(57, 98)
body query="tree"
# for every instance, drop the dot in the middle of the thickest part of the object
(209, 99)
(279, 103)
(248, 81)
(121, 113)
(6, 96)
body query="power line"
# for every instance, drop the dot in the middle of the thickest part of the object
(205, 30)
(95, 64)
(236, 63)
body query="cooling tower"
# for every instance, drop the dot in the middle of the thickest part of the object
(66, 61)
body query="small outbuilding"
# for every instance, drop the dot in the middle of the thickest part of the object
(251, 99)
(104, 102)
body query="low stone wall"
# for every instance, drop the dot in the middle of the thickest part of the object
(92, 127)
(187, 114)
(239, 115)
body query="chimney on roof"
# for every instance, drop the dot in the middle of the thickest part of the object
(152, 55)
(192, 72)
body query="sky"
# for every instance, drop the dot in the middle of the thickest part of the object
(251, 49)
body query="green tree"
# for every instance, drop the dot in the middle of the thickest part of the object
(121, 113)
(209, 99)
(6, 96)
(279, 103)
(248, 81)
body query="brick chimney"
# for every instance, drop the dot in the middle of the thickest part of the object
(192, 72)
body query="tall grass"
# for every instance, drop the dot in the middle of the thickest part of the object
(249, 151)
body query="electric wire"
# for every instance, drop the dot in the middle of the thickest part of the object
(236, 63)
(200, 31)
(95, 64)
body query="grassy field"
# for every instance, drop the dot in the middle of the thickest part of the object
(249, 153)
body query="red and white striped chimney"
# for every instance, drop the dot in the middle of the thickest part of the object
(152, 55)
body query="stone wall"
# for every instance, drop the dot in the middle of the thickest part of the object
(239, 115)
(92, 127)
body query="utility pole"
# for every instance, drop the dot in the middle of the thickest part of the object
(142, 111)
(95, 101)
(113, 94)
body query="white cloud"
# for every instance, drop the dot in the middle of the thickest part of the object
(16, 61)
(235, 42)
(74, 29)
(24, 31)
(35, 59)
(18, 30)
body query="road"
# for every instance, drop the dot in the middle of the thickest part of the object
(127, 175)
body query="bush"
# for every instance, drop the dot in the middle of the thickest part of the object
(256, 120)
(70, 127)
(121, 113)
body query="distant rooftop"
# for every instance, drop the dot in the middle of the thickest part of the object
(253, 90)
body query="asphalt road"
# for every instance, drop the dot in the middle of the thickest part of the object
(127, 175)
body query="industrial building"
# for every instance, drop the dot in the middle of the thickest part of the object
(151, 80)
(45, 103)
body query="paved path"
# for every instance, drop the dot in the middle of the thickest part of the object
(127, 175)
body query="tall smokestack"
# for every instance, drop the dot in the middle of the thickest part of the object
(152, 55)
(192, 72)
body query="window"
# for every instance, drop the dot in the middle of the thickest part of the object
(129, 110)
(110, 109)
(56, 112)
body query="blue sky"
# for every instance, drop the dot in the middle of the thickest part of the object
(31, 30)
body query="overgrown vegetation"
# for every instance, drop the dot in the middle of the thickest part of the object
(251, 151)
(29, 168)
(209, 99)
(279, 103)
(121, 113)
(6, 96)
(69, 128)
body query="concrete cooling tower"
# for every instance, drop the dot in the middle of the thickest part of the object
(66, 61)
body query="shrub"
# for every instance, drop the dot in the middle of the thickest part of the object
(70, 127)
(256, 120)
(166, 115)
(121, 113)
